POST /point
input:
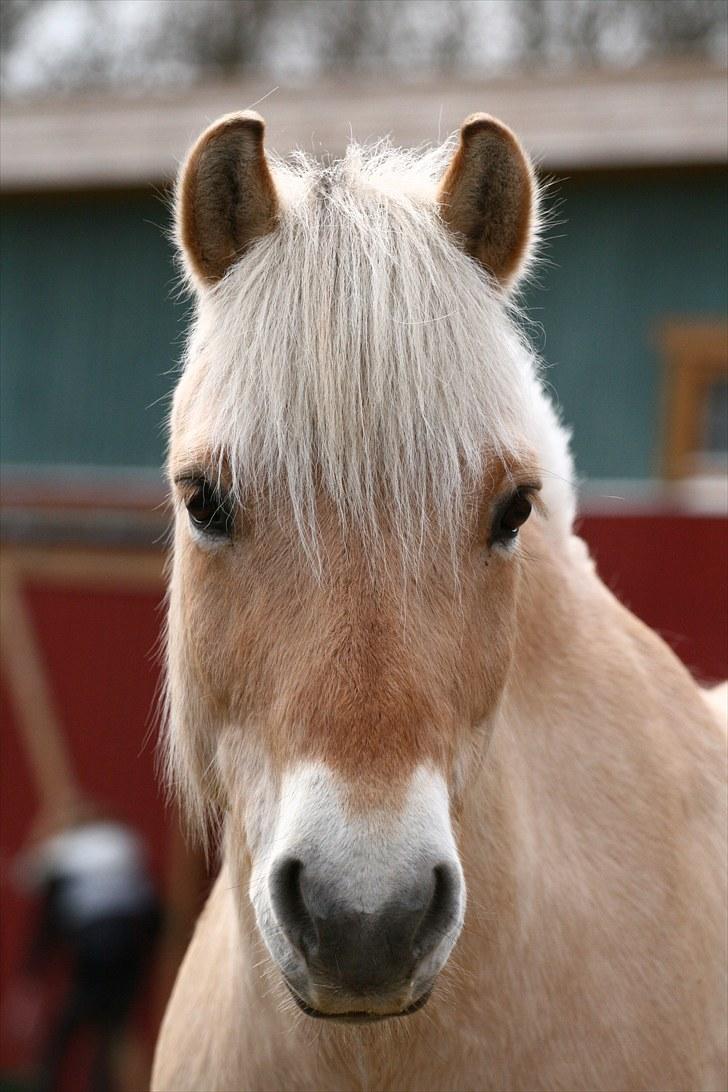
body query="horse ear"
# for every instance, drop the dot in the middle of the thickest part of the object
(226, 198)
(488, 197)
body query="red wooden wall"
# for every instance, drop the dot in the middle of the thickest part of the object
(672, 571)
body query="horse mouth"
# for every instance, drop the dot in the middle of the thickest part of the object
(357, 1016)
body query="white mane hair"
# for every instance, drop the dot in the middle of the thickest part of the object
(357, 350)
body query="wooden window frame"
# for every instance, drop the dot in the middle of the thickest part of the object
(696, 356)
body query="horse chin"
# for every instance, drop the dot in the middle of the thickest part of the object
(357, 1016)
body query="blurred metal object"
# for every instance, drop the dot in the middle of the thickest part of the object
(102, 527)
(68, 506)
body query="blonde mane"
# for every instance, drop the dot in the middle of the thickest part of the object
(357, 350)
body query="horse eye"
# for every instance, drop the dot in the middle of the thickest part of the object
(210, 511)
(510, 517)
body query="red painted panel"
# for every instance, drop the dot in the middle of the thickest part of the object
(99, 649)
(20, 1007)
(672, 571)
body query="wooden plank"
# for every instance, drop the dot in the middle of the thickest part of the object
(37, 719)
(665, 114)
(138, 570)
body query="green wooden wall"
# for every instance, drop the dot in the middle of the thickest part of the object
(632, 251)
(91, 329)
(91, 332)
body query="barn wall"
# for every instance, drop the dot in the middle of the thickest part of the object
(632, 251)
(92, 330)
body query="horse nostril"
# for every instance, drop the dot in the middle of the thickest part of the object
(441, 914)
(365, 952)
(289, 905)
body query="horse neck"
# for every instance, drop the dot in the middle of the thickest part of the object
(592, 722)
(558, 723)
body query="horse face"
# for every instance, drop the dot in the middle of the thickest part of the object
(343, 710)
(333, 710)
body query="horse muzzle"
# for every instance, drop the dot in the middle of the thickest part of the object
(357, 965)
(357, 1016)
(359, 909)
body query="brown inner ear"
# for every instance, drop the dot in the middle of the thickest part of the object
(226, 198)
(486, 196)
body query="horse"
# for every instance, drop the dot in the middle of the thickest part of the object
(470, 810)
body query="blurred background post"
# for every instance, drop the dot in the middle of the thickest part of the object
(624, 105)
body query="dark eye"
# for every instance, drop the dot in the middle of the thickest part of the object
(209, 510)
(511, 515)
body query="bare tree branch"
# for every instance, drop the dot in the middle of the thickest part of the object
(162, 41)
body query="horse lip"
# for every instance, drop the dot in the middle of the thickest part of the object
(356, 1016)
